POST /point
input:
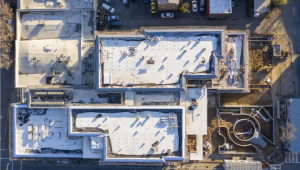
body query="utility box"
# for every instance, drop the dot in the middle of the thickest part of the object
(276, 50)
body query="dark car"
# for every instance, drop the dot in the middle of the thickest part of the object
(115, 24)
(13, 6)
(146, 1)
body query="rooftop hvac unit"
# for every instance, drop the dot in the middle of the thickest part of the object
(50, 135)
(30, 128)
(36, 137)
(43, 127)
(58, 136)
(56, 93)
(44, 136)
(47, 48)
(40, 93)
(41, 23)
(52, 73)
(36, 129)
(30, 136)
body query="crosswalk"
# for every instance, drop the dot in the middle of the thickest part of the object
(275, 167)
(291, 158)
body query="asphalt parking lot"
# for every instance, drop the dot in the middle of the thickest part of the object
(139, 13)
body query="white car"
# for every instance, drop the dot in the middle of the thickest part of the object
(194, 6)
(167, 15)
(113, 18)
(108, 8)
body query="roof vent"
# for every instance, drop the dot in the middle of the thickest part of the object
(47, 48)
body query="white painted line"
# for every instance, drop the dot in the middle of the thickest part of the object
(294, 11)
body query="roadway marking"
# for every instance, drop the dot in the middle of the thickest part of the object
(248, 25)
(294, 11)
(294, 19)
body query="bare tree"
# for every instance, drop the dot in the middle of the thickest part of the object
(6, 11)
(287, 132)
(6, 61)
(7, 34)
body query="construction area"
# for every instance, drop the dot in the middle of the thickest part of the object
(154, 95)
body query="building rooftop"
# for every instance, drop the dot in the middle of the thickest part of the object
(52, 61)
(295, 118)
(159, 57)
(196, 117)
(44, 134)
(134, 133)
(232, 68)
(50, 25)
(58, 4)
(143, 133)
(220, 7)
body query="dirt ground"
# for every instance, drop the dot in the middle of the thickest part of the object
(281, 75)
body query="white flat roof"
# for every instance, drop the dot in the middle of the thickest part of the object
(196, 118)
(47, 25)
(93, 147)
(35, 63)
(171, 56)
(130, 135)
(62, 4)
(220, 7)
(55, 122)
(134, 137)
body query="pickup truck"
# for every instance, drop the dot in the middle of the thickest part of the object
(108, 8)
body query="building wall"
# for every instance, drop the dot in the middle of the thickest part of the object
(288, 118)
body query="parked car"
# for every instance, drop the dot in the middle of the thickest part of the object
(146, 1)
(13, 7)
(194, 5)
(12, 46)
(232, 4)
(153, 7)
(167, 15)
(202, 7)
(115, 24)
(125, 2)
(108, 1)
(12, 24)
(108, 8)
(113, 18)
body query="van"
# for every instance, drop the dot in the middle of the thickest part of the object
(202, 7)
(125, 2)
(108, 8)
